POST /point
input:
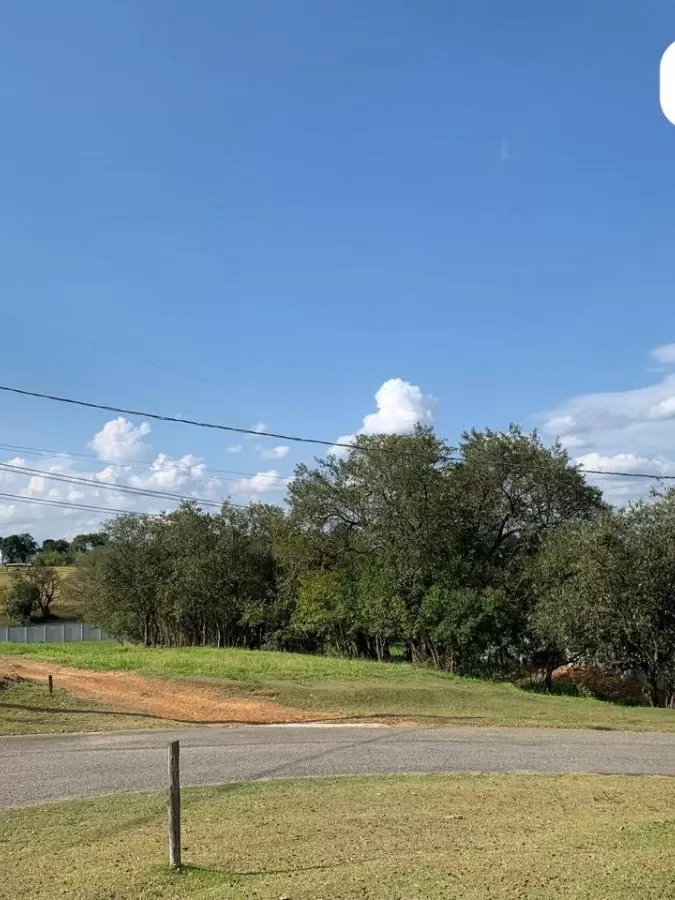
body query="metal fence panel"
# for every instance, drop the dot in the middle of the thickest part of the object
(53, 633)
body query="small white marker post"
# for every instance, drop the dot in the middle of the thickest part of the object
(173, 805)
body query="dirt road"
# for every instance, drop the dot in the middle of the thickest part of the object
(175, 699)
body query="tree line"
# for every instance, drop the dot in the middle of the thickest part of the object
(24, 549)
(487, 559)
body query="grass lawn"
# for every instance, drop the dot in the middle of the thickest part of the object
(356, 688)
(26, 707)
(61, 608)
(497, 837)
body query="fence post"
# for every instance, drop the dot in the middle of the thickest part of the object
(50, 681)
(173, 805)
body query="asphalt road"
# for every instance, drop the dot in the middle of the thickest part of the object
(52, 767)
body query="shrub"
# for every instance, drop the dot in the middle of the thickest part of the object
(22, 601)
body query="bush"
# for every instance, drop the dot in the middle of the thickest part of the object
(22, 601)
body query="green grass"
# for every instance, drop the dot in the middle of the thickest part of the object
(449, 837)
(357, 688)
(26, 707)
(62, 608)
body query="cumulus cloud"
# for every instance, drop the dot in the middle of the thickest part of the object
(400, 406)
(234, 448)
(273, 452)
(186, 475)
(261, 483)
(627, 431)
(665, 354)
(167, 474)
(120, 440)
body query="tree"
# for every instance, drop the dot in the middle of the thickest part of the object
(82, 543)
(510, 491)
(122, 581)
(18, 548)
(52, 558)
(60, 545)
(384, 506)
(607, 594)
(32, 592)
(21, 601)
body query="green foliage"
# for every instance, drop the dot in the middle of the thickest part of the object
(17, 548)
(184, 578)
(21, 600)
(82, 543)
(483, 559)
(53, 558)
(607, 594)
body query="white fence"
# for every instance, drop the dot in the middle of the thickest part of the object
(53, 633)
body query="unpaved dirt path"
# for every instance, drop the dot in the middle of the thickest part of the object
(177, 700)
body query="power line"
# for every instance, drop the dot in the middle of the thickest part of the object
(43, 451)
(121, 488)
(65, 505)
(279, 436)
(160, 418)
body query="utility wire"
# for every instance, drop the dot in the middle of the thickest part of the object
(43, 451)
(279, 436)
(65, 505)
(90, 482)
(160, 418)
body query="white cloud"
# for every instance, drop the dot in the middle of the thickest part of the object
(186, 476)
(665, 354)
(274, 452)
(260, 483)
(400, 406)
(108, 475)
(120, 440)
(625, 431)
(626, 462)
(234, 448)
(7, 511)
(664, 409)
(167, 474)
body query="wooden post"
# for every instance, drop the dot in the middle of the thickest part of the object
(50, 680)
(173, 805)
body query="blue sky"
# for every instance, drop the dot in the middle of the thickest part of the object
(263, 212)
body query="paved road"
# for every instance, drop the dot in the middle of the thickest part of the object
(41, 768)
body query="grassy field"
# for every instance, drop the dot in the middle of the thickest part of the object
(62, 608)
(27, 708)
(470, 837)
(357, 688)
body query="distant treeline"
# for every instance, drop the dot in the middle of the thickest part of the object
(23, 548)
(484, 559)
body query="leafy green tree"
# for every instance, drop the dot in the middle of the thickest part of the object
(463, 628)
(384, 506)
(21, 600)
(18, 548)
(55, 546)
(32, 591)
(607, 594)
(82, 543)
(122, 581)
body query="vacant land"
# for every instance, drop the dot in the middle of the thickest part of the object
(62, 608)
(352, 689)
(496, 837)
(191, 702)
(26, 707)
